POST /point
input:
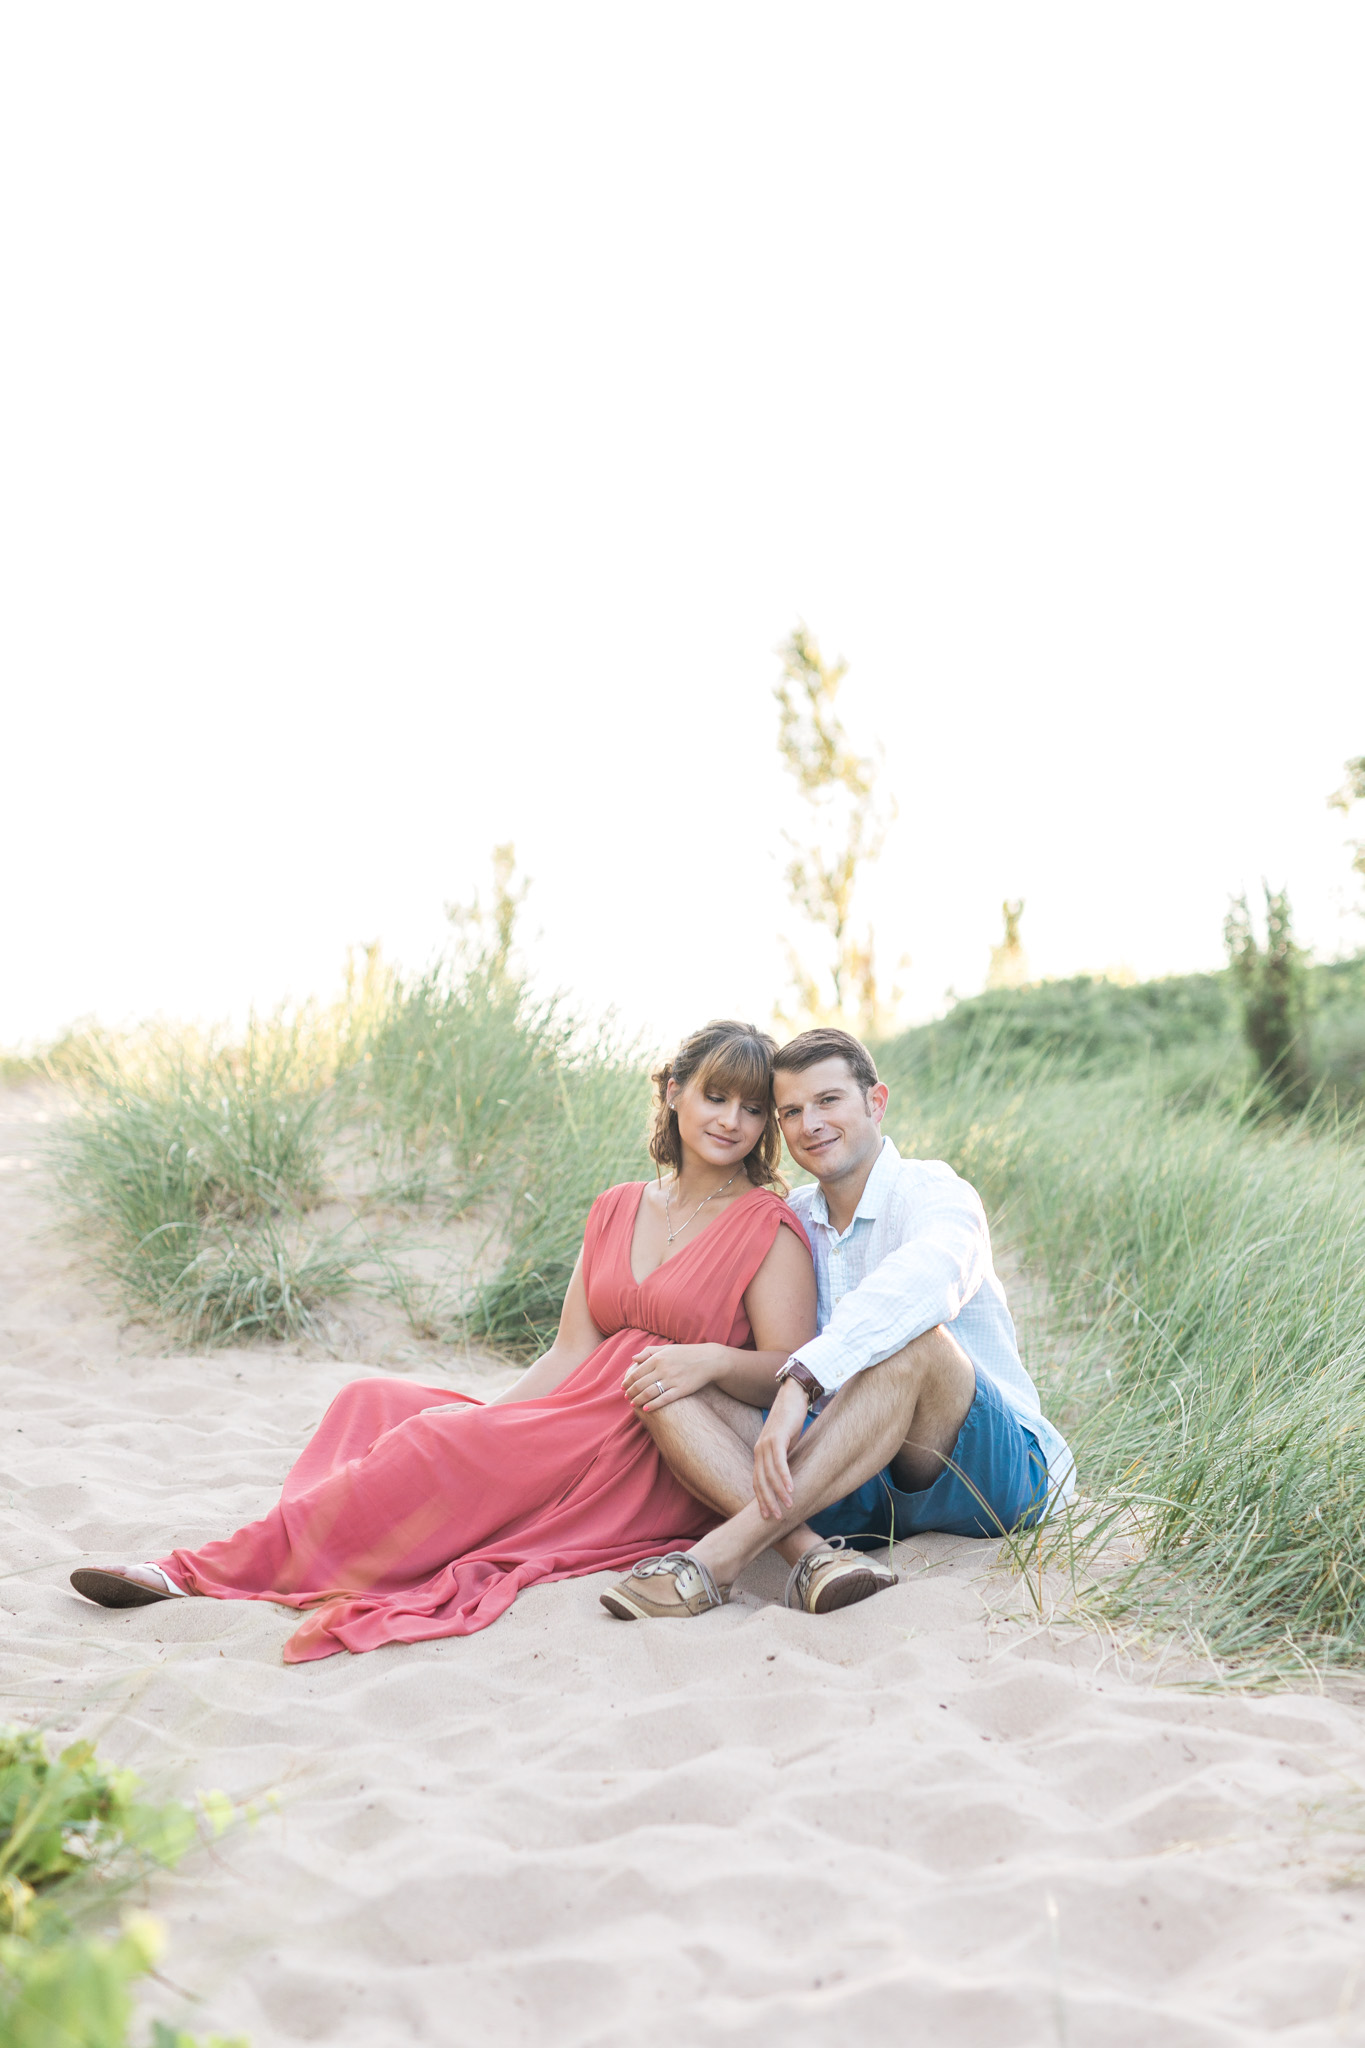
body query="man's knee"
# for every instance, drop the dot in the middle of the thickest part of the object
(934, 1356)
(919, 1356)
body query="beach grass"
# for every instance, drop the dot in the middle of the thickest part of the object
(592, 1136)
(1204, 1269)
(443, 1079)
(191, 1165)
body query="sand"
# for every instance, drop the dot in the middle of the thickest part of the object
(927, 1818)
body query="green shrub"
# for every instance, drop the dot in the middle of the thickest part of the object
(1089, 1021)
(1336, 997)
(73, 1835)
(1271, 987)
(69, 1816)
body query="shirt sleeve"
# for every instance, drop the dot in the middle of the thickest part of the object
(926, 1280)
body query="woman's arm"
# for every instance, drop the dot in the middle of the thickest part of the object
(577, 1338)
(780, 1305)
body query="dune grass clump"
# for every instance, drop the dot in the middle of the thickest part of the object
(221, 1130)
(191, 1164)
(73, 1836)
(449, 1075)
(1215, 1278)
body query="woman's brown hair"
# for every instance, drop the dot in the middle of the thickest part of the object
(737, 1058)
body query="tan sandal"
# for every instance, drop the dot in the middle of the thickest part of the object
(830, 1576)
(696, 1590)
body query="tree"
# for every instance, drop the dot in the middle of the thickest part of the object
(848, 828)
(1352, 792)
(492, 930)
(1009, 961)
(1270, 984)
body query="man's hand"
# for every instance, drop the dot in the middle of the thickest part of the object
(776, 1440)
(678, 1368)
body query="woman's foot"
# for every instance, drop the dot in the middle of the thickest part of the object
(675, 1587)
(126, 1585)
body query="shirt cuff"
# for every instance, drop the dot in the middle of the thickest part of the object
(824, 1361)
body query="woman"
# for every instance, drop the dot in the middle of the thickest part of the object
(416, 1513)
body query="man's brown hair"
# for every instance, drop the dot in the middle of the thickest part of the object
(808, 1048)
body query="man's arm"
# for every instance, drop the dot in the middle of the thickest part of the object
(928, 1279)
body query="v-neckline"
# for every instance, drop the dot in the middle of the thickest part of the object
(635, 1217)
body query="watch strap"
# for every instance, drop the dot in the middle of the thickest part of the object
(805, 1379)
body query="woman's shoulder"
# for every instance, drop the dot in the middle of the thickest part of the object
(779, 1211)
(625, 1194)
(612, 1213)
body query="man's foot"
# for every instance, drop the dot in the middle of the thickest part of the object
(830, 1576)
(126, 1585)
(674, 1587)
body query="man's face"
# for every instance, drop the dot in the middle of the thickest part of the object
(830, 1126)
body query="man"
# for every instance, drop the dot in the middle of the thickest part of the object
(924, 1417)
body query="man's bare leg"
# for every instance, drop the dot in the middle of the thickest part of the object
(707, 1442)
(905, 1412)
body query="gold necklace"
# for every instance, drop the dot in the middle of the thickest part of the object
(668, 1206)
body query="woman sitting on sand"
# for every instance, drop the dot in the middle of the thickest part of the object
(415, 1512)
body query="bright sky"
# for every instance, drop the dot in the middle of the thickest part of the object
(422, 423)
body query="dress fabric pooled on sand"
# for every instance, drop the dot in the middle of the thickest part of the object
(415, 1513)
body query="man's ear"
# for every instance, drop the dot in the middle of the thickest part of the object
(877, 1099)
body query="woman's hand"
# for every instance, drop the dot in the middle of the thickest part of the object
(678, 1368)
(776, 1440)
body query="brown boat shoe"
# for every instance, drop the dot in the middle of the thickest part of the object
(693, 1590)
(830, 1576)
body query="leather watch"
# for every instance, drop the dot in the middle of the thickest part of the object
(805, 1379)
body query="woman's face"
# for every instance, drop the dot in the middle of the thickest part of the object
(715, 1125)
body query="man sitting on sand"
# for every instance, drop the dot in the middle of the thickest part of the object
(910, 1410)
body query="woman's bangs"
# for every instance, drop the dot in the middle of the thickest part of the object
(741, 1067)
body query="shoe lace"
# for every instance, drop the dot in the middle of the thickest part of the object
(677, 1562)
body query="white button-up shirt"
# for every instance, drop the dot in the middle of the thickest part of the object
(917, 1253)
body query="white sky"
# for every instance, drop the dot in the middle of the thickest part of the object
(421, 424)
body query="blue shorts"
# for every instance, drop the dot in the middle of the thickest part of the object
(995, 1482)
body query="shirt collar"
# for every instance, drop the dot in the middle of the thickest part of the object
(879, 1183)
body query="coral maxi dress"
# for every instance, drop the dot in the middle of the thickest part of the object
(415, 1512)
